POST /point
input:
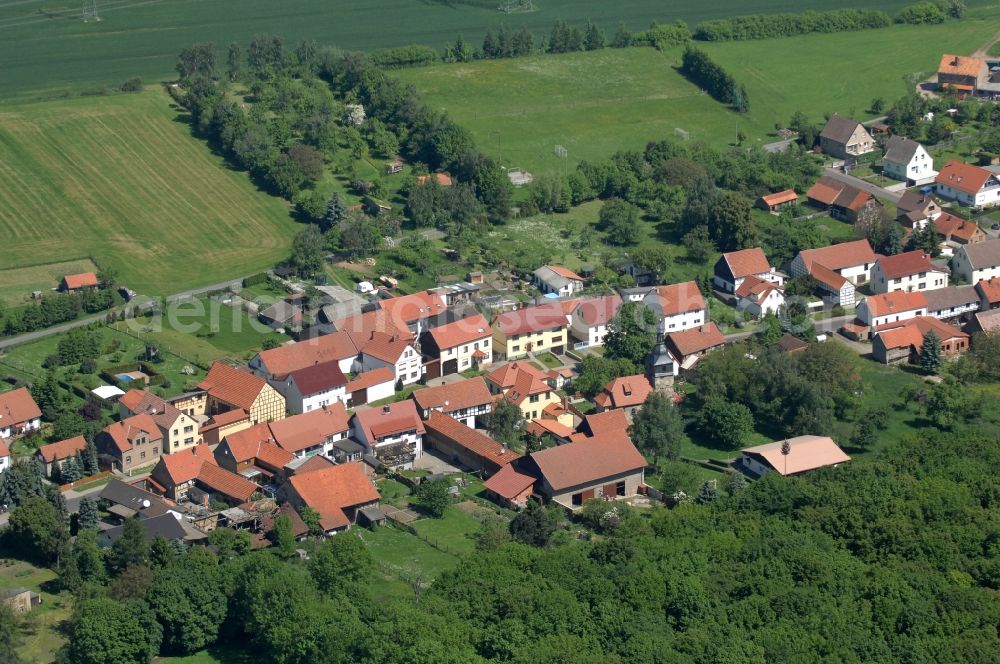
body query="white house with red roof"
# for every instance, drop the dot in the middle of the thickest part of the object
(393, 434)
(4, 455)
(19, 414)
(314, 387)
(908, 271)
(626, 393)
(735, 266)
(72, 282)
(393, 351)
(558, 280)
(371, 386)
(415, 312)
(677, 306)
(590, 317)
(851, 260)
(968, 184)
(276, 363)
(312, 433)
(887, 309)
(804, 453)
(759, 297)
(688, 346)
(460, 344)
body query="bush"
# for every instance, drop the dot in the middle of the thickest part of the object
(404, 56)
(922, 13)
(131, 85)
(701, 70)
(663, 36)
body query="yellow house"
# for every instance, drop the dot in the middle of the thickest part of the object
(532, 330)
(229, 388)
(528, 388)
(180, 430)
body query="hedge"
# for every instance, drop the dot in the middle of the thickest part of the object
(766, 26)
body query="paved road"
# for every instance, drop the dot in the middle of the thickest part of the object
(778, 146)
(8, 342)
(880, 192)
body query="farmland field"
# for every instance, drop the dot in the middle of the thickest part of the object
(17, 284)
(598, 102)
(46, 48)
(121, 179)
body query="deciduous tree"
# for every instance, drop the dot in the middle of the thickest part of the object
(657, 428)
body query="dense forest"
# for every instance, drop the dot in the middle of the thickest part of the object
(891, 559)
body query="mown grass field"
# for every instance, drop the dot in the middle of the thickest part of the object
(121, 179)
(42, 635)
(598, 102)
(46, 48)
(17, 284)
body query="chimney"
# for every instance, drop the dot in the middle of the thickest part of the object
(385, 409)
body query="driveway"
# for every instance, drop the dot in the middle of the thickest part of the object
(880, 192)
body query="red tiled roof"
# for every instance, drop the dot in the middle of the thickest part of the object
(393, 418)
(224, 419)
(410, 308)
(912, 333)
(81, 280)
(531, 319)
(680, 298)
(780, 197)
(473, 440)
(989, 289)
(806, 453)
(597, 311)
(302, 431)
(318, 378)
(828, 277)
(697, 339)
(525, 385)
(906, 264)
(747, 262)
(587, 462)
(454, 396)
(839, 256)
(624, 392)
(605, 423)
(544, 426)
(504, 377)
(185, 465)
(143, 401)
(331, 490)
(62, 449)
(370, 378)
(233, 386)
(222, 481)
(315, 462)
(291, 357)
(755, 286)
(960, 65)
(951, 226)
(4, 448)
(964, 177)
(824, 193)
(386, 347)
(359, 328)
(890, 303)
(17, 406)
(132, 399)
(257, 442)
(565, 272)
(465, 331)
(508, 482)
(124, 432)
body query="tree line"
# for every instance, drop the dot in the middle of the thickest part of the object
(767, 26)
(703, 71)
(56, 308)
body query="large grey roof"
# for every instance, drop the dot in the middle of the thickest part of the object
(900, 150)
(983, 254)
(955, 296)
(839, 128)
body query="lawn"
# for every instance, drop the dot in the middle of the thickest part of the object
(48, 50)
(122, 180)
(41, 634)
(455, 531)
(402, 556)
(17, 284)
(598, 102)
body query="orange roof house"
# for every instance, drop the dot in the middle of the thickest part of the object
(337, 493)
(962, 73)
(230, 388)
(283, 360)
(131, 443)
(688, 345)
(510, 486)
(312, 432)
(18, 412)
(473, 448)
(957, 230)
(60, 451)
(891, 308)
(572, 474)
(442, 179)
(253, 452)
(466, 331)
(627, 392)
(957, 178)
(196, 467)
(73, 282)
(531, 319)
(776, 201)
(463, 399)
(905, 342)
(805, 453)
